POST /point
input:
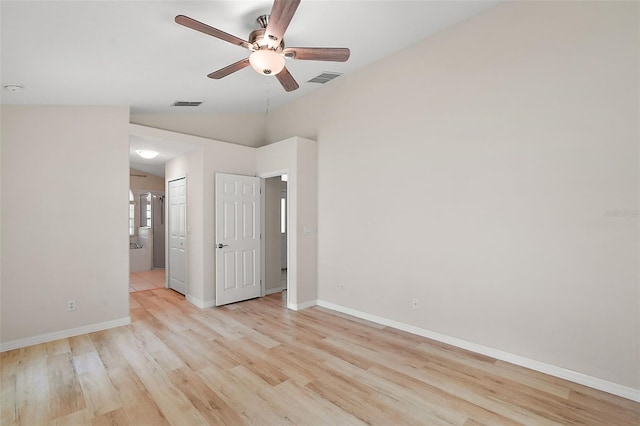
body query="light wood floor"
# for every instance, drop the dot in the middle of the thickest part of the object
(258, 363)
(146, 280)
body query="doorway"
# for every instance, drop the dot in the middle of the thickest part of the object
(275, 224)
(177, 200)
(152, 218)
(158, 230)
(284, 223)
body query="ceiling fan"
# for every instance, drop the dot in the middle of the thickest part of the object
(268, 51)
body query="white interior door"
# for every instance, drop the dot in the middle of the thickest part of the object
(238, 254)
(178, 235)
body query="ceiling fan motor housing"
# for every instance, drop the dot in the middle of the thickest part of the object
(258, 39)
(263, 20)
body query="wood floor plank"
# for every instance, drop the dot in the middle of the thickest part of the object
(194, 353)
(32, 387)
(58, 347)
(108, 351)
(439, 397)
(66, 394)
(303, 406)
(212, 407)
(521, 375)
(172, 402)
(81, 345)
(256, 362)
(145, 332)
(260, 364)
(409, 408)
(97, 388)
(237, 393)
(135, 399)
(359, 400)
(9, 372)
(82, 417)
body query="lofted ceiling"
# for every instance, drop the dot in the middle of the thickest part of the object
(133, 53)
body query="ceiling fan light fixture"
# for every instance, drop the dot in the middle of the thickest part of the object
(145, 153)
(267, 61)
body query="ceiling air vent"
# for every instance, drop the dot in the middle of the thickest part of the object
(187, 103)
(325, 77)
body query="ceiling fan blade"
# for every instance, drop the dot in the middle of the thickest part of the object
(223, 72)
(206, 29)
(281, 14)
(286, 79)
(334, 54)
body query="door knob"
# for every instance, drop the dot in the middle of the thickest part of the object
(222, 245)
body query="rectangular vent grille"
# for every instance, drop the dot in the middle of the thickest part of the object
(325, 77)
(187, 103)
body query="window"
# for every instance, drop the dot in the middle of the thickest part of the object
(283, 206)
(145, 209)
(132, 212)
(283, 215)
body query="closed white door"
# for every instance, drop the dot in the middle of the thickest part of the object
(237, 238)
(178, 235)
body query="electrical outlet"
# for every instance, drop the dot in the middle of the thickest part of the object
(341, 287)
(414, 303)
(71, 305)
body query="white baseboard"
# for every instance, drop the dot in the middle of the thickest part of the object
(563, 373)
(303, 305)
(199, 303)
(63, 334)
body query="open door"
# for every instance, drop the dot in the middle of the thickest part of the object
(238, 233)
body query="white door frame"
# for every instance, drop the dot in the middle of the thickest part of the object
(263, 238)
(167, 235)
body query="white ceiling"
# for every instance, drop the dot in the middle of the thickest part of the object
(133, 53)
(167, 150)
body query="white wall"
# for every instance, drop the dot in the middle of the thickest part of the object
(65, 196)
(219, 157)
(242, 129)
(190, 166)
(478, 171)
(200, 167)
